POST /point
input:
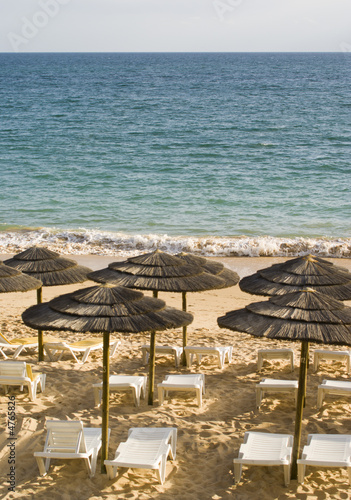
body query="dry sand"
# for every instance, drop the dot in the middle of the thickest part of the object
(208, 437)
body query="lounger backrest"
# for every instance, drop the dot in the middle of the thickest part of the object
(65, 436)
(13, 369)
(4, 340)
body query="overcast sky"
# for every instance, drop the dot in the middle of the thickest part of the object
(175, 25)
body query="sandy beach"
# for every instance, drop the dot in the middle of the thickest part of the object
(208, 437)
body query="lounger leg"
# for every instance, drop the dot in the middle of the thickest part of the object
(88, 466)
(32, 389)
(259, 396)
(111, 471)
(287, 469)
(315, 362)
(301, 468)
(42, 380)
(93, 462)
(238, 469)
(161, 471)
(43, 468)
(136, 395)
(17, 352)
(160, 395)
(97, 396)
(113, 348)
(320, 397)
(199, 396)
(189, 359)
(2, 352)
(86, 354)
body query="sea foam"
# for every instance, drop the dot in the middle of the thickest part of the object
(93, 242)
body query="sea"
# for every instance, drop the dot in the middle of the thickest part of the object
(218, 154)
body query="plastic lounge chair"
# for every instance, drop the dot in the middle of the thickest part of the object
(222, 353)
(261, 448)
(273, 385)
(194, 382)
(341, 356)
(137, 384)
(18, 345)
(162, 349)
(68, 439)
(145, 448)
(334, 387)
(268, 354)
(325, 450)
(82, 346)
(19, 373)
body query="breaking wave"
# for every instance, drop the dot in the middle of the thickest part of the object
(93, 242)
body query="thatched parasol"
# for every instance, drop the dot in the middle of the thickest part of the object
(306, 316)
(105, 309)
(160, 271)
(12, 280)
(295, 274)
(51, 269)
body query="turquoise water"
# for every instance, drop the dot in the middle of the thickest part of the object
(222, 154)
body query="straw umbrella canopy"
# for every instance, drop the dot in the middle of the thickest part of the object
(160, 271)
(12, 280)
(105, 309)
(295, 274)
(51, 269)
(305, 316)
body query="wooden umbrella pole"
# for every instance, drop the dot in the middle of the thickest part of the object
(185, 333)
(40, 333)
(105, 399)
(299, 409)
(152, 357)
(155, 294)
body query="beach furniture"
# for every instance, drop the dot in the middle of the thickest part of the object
(145, 448)
(322, 354)
(84, 347)
(135, 383)
(272, 385)
(19, 373)
(325, 450)
(269, 354)
(261, 448)
(69, 439)
(193, 382)
(334, 387)
(222, 353)
(17, 345)
(162, 349)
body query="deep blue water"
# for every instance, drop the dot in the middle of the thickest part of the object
(130, 148)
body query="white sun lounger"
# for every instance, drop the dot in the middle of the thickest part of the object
(135, 383)
(222, 353)
(322, 354)
(84, 347)
(162, 349)
(19, 373)
(334, 387)
(18, 345)
(325, 450)
(145, 448)
(273, 385)
(269, 354)
(68, 439)
(261, 448)
(191, 382)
